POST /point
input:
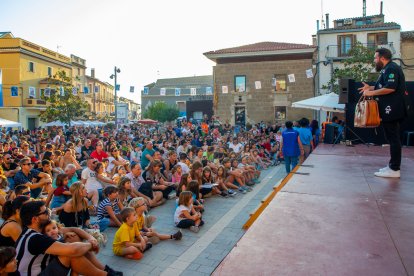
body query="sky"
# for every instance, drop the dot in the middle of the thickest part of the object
(156, 39)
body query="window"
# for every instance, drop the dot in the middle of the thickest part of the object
(279, 82)
(345, 43)
(78, 71)
(49, 71)
(280, 113)
(360, 22)
(31, 66)
(240, 83)
(376, 39)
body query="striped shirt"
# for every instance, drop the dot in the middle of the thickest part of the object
(102, 212)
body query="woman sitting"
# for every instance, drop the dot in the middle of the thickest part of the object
(152, 174)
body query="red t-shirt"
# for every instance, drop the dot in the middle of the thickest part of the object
(59, 190)
(98, 156)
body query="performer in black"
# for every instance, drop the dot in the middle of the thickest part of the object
(389, 92)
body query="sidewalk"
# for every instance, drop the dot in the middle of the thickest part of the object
(196, 254)
(338, 220)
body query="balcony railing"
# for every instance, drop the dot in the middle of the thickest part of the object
(342, 51)
(34, 103)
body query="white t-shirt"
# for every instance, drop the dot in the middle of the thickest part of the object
(92, 182)
(184, 167)
(236, 148)
(177, 215)
(137, 155)
(112, 165)
(56, 140)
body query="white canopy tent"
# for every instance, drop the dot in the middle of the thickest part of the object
(7, 123)
(327, 102)
(54, 123)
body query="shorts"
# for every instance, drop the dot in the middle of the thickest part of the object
(186, 223)
(55, 267)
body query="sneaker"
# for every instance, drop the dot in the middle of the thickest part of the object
(231, 192)
(224, 194)
(136, 256)
(388, 173)
(148, 246)
(243, 191)
(177, 236)
(249, 189)
(250, 183)
(384, 169)
(194, 229)
(113, 272)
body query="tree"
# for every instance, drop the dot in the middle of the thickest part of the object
(358, 66)
(162, 112)
(65, 107)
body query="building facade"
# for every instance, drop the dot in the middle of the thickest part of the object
(182, 92)
(335, 43)
(100, 97)
(259, 82)
(407, 54)
(25, 67)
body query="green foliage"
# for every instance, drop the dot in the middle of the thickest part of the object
(162, 112)
(63, 108)
(358, 66)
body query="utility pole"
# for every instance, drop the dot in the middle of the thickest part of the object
(114, 76)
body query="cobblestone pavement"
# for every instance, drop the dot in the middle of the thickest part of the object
(197, 253)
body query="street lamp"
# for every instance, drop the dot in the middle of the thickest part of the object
(113, 76)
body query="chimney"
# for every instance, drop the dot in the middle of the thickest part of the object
(364, 8)
(93, 72)
(327, 20)
(381, 6)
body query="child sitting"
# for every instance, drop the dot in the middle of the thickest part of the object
(128, 241)
(109, 208)
(176, 174)
(185, 216)
(8, 262)
(149, 234)
(61, 194)
(194, 188)
(125, 191)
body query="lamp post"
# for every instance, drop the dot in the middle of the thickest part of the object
(113, 76)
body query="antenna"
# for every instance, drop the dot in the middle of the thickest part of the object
(322, 21)
(58, 47)
(364, 8)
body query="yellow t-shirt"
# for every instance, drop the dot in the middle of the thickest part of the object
(124, 234)
(140, 222)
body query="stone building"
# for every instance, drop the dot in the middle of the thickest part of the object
(259, 82)
(407, 54)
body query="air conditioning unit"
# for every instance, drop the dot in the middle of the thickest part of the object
(348, 21)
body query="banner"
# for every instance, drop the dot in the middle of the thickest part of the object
(131, 89)
(177, 92)
(96, 89)
(193, 91)
(309, 73)
(162, 91)
(146, 90)
(209, 91)
(291, 77)
(62, 91)
(118, 87)
(74, 91)
(224, 89)
(32, 92)
(14, 90)
(1, 88)
(47, 92)
(86, 90)
(258, 85)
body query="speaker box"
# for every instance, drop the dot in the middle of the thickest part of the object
(329, 137)
(344, 89)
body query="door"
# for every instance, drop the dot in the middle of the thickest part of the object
(31, 123)
(240, 116)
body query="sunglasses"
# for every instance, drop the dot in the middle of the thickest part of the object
(26, 193)
(28, 164)
(45, 212)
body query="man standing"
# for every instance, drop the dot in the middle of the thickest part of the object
(389, 92)
(291, 146)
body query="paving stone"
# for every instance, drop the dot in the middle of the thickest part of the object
(206, 269)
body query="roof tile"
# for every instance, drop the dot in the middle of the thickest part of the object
(261, 47)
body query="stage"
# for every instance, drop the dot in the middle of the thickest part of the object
(338, 220)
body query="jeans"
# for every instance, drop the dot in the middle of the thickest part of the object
(290, 160)
(392, 135)
(103, 224)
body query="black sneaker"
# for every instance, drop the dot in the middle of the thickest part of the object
(224, 194)
(148, 246)
(177, 236)
(112, 272)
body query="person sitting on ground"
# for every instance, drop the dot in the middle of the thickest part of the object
(93, 186)
(102, 175)
(149, 234)
(194, 187)
(61, 194)
(183, 185)
(74, 234)
(125, 191)
(8, 262)
(183, 163)
(119, 173)
(34, 249)
(221, 179)
(75, 212)
(10, 168)
(116, 160)
(110, 208)
(234, 176)
(152, 174)
(142, 188)
(185, 216)
(176, 174)
(128, 241)
(99, 153)
(26, 176)
(11, 228)
(209, 179)
(67, 159)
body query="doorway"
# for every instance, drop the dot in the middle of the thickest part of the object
(240, 116)
(31, 123)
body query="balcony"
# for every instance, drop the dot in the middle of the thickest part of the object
(337, 52)
(36, 103)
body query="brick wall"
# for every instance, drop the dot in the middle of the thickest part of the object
(260, 104)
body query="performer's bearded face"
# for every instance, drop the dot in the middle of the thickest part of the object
(379, 65)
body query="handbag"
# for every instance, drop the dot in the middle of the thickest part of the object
(367, 113)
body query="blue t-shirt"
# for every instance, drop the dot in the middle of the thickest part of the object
(144, 160)
(305, 135)
(290, 143)
(20, 178)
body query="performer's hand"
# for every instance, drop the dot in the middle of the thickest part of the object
(363, 88)
(368, 93)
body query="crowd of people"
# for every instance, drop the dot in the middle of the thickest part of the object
(90, 178)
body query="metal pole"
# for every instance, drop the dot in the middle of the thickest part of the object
(115, 101)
